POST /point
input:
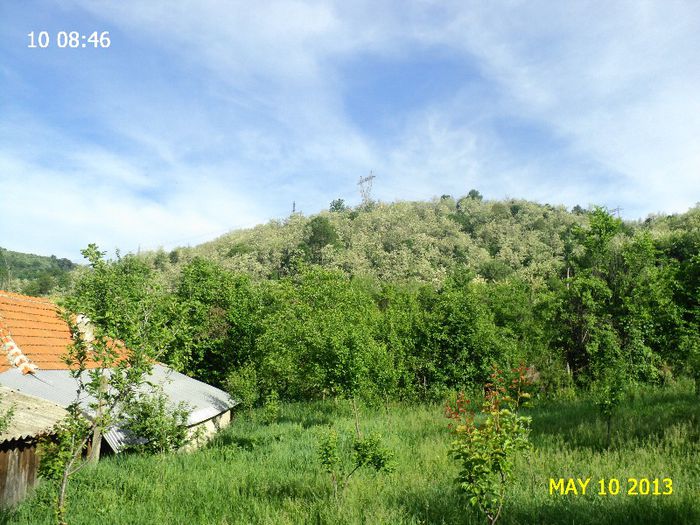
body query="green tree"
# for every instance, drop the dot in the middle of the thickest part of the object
(219, 314)
(596, 240)
(128, 300)
(608, 390)
(318, 339)
(475, 195)
(111, 354)
(464, 339)
(338, 205)
(404, 332)
(367, 451)
(154, 423)
(585, 326)
(108, 377)
(320, 233)
(42, 284)
(242, 385)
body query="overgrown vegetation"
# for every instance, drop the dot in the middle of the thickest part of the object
(33, 274)
(365, 452)
(581, 297)
(271, 474)
(155, 425)
(7, 412)
(109, 377)
(412, 302)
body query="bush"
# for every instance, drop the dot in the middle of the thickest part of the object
(242, 385)
(271, 409)
(486, 452)
(367, 451)
(156, 425)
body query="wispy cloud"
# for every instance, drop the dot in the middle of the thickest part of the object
(210, 115)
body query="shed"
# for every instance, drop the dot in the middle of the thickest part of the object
(32, 418)
(34, 338)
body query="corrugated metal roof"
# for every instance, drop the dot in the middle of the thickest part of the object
(59, 387)
(56, 386)
(32, 415)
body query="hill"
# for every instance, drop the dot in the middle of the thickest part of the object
(33, 274)
(420, 241)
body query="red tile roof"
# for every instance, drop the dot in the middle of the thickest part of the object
(36, 328)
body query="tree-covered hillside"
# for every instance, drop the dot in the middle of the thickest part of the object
(413, 299)
(409, 299)
(388, 306)
(405, 241)
(33, 274)
(424, 241)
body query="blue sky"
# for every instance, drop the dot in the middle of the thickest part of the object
(205, 116)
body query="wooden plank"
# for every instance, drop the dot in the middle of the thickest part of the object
(4, 459)
(18, 472)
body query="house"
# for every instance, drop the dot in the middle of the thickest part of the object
(32, 418)
(33, 339)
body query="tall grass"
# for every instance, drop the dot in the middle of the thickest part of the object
(253, 473)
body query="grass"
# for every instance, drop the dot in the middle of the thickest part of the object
(256, 473)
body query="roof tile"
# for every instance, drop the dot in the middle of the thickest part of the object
(37, 329)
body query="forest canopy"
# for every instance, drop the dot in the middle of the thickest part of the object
(414, 299)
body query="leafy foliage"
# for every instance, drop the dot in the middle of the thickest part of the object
(242, 385)
(156, 426)
(367, 451)
(486, 451)
(321, 234)
(338, 205)
(7, 412)
(412, 300)
(608, 392)
(68, 439)
(33, 274)
(430, 294)
(271, 408)
(107, 374)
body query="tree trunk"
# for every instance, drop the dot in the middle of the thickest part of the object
(96, 445)
(97, 432)
(357, 418)
(61, 503)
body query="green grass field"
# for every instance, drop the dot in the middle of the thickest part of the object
(255, 473)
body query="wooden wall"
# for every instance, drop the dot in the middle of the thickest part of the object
(18, 470)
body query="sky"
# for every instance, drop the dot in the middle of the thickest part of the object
(206, 116)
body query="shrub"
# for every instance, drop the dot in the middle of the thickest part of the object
(157, 425)
(271, 409)
(608, 391)
(486, 451)
(367, 451)
(242, 385)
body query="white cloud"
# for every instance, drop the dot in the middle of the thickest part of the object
(250, 115)
(100, 198)
(616, 79)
